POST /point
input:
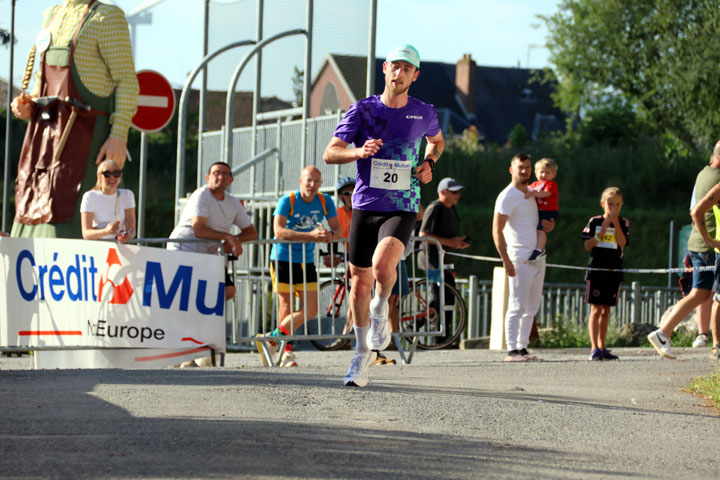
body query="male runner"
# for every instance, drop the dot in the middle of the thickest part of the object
(386, 130)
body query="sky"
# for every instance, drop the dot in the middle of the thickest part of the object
(495, 32)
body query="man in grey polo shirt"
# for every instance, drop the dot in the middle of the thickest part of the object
(210, 213)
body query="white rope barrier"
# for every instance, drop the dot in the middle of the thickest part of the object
(571, 267)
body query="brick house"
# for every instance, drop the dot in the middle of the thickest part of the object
(494, 99)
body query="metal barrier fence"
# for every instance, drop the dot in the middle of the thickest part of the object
(277, 173)
(255, 309)
(261, 310)
(561, 302)
(566, 302)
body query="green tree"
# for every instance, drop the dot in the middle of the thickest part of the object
(614, 123)
(519, 136)
(661, 56)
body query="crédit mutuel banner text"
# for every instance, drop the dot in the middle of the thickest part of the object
(78, 293)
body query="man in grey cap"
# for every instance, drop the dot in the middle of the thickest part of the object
(442, 223)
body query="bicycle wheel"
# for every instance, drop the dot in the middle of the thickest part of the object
(420, 315)
(332, 315)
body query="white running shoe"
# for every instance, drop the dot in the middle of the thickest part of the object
(357, 375)
(661, 344)
(379, 337)
(700, 341)
(288, 359)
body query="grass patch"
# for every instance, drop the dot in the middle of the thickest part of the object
(707, 387)
(567, 333)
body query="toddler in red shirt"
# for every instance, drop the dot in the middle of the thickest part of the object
(545, 192)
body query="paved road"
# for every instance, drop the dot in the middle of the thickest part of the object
(451, 414)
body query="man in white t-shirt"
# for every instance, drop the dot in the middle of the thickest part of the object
(210, 213)
(514, 232)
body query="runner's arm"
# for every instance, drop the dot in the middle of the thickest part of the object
(433, 150)
(435, 146)
(337, 152)
(698, 214)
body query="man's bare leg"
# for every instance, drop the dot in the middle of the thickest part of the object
(362, 282)
(385, 260)
(715, 324)
(660, 338)
(384, 264)
(683, 308)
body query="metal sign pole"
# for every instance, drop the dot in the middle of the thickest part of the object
(141, 186)
(670, 251)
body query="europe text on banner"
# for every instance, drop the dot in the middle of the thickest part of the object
(57, 292)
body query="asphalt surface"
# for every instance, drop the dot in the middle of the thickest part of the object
(450, 414)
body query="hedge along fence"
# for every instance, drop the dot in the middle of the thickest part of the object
(656, 190)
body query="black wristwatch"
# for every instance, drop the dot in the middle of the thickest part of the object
(431, 162)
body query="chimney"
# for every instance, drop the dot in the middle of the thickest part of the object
(465, 74)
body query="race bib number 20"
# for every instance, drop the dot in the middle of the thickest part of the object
(390, 174)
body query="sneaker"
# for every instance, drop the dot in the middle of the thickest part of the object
(514, 356)
(528, 356)
(715, 352)
(700, 341)
(596, 355)
(357, 375)
(661, 344)
(536, 255)
(607, 355)
(271, 348)
(288, 359)
(379, 334)
(383, 360)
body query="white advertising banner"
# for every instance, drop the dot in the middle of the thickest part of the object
(79, 293)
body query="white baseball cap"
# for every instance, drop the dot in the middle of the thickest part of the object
(405, 52)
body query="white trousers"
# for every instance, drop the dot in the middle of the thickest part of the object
(524, 302)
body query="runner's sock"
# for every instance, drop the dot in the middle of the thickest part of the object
(361, 334)
(377, 305)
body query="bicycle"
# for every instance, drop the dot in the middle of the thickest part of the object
(418, 315)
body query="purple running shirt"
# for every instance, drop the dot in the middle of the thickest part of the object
(385, 182)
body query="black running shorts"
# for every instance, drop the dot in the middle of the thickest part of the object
(603, 291)
(369, 228)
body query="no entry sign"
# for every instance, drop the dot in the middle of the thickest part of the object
(156, 102)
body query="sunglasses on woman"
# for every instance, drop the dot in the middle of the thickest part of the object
(112, 173)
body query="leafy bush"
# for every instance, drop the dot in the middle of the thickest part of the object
(565, 334)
